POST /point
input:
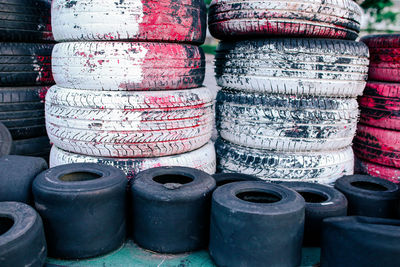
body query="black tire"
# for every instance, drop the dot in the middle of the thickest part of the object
(22, 240)
(33, 147)
(321, 202)
(84, 206)
(25, 64)
(256, 224)
(226, 178)
(171, 207)
(357, 241)
(369, 196)
(16, 176)
(5, 140)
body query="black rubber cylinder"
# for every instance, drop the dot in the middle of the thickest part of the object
(256, 224)
(369, 196)
(22, 240)
(171, 207)
(226, 178)
(83, 209)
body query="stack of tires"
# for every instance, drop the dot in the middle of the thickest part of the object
(377, 144)
(287, 109)
(129, 89)
(25, 73)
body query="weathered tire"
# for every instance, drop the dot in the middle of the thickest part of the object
(293, 66)
(321, 167)
(226, 178)
(33, 147)
(120, 66)
(25, 21)
(129, 124)
(377, 170)
(286, 123)
(385, 59)
(380, 105)
(22, 240)
(202, 159)
(139, 20)
(5, 140)
(230, 19)
(25, 64)
(378, 145)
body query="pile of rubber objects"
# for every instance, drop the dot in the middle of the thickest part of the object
(377, 144)
(287, 109)
(25, 73)
(128, 87)
(83, 210)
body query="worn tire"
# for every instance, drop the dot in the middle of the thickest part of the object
(5, 140)
(380, 105)
(321, 167)
(138, 20)
(203, 159)
(286, 123)
(226, 178)
(25, 21)
(121, 66)
(378, 145)
(293, 66)
(33, 147)
(25, 64)
(377, 170)
(230, 19)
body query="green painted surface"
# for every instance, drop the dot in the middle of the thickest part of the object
(130, 255)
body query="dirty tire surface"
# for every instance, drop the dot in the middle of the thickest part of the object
(33, 147)
(5, 140)
(377, 170)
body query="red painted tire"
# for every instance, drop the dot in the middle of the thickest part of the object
(380, 105)
(377, 170)
(378, 145)
(385, 57)
(230, 19)
(136, 20)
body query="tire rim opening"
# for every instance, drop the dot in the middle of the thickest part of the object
(172, 179)
(369, 186)
(5, 224)
(79, 176)
(259, 197)
(311, 197)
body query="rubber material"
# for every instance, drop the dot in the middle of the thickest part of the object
(34, 147)
(121, 66)
(203, 159)
(84, 206)
(320, 67)
(286, 123)
(226, 178)
(377, 170)
(369, 196)
(22, 240)
(321, 167)
(268, 218)
(171, 207)
(230, 19)
(321, 202)
(360, 241)
(5, 140)
(144, 20)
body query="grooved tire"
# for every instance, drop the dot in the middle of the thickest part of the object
(140, 20)
(377, 170)
(128, 66)
(202, 159)
(293, 66)
(385, 57)
(25, 20)
(286, 123)
(321, 167)
(380, 105)
(127, 123)
(378, 145)
(25, 64)
(230, 19)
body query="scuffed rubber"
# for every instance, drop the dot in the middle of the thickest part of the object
(377, 170)
(5, 140)
(120, 66)
(203, 159)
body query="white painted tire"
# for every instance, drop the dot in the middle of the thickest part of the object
(120, 66)
(128, 123)
(286, 123)
(318, 167)
(203, 159)
(320, 67)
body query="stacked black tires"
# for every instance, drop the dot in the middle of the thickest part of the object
(25, 73)
(129, 89)
(287, 109)
(377, 144)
